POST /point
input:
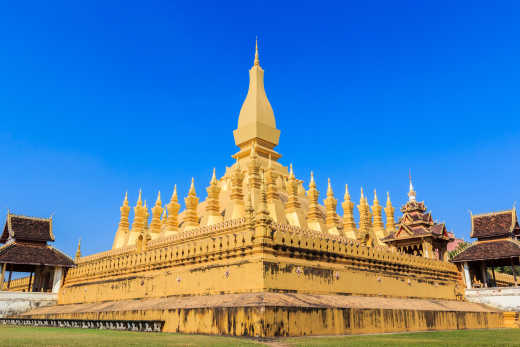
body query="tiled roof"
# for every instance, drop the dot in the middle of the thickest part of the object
(496, 224)
(437, 229)
(497, 249)
(33, 254)
(24, 228)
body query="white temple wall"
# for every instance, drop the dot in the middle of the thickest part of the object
(504, 298)
(13, 303)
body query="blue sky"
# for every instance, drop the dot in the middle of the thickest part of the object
(100, 97)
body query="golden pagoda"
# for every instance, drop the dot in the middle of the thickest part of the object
(260, 256)
(416, 232)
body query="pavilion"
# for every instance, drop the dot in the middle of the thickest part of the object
(26, 250)
(497, 245)
(417, 233)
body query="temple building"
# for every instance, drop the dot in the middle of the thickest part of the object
(417, 233)
(497, 245)
(26, 250)
(265, 255)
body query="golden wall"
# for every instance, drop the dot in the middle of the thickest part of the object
(233, 257)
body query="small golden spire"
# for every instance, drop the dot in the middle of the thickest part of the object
(329, 189)
(330, 210)
(78, 251)
(157, 210)
(124, 224)
(173, 208)
(378, 225)
(174, 197)
(362, 195)
(291, 172)
(347, 194)
(139, 200)
(213, 178)
(192, 191)
(349, 225)
(212, 202)
(191, 218)
(158, 202)
(389, 211)
(314, 216)
(257, 60)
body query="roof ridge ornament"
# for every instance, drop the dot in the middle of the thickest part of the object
(411, 194)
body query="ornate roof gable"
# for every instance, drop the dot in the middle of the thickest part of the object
(23, 228)
(494, 224)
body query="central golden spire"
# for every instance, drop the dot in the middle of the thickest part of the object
(256, 122)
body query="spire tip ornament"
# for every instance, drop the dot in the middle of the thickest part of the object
(411, 193)
(257, 60)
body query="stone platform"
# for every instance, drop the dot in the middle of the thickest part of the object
(285, 314)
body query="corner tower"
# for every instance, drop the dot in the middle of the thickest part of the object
(256, 122)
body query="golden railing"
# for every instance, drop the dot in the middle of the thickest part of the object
(236, 238)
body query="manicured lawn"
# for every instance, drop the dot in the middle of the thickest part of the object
(502, 337)
(28, 336)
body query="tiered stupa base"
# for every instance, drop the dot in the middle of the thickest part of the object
(285, 314)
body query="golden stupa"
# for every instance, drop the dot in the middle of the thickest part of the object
(261, 256)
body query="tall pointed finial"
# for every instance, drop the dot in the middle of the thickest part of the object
(125, 201)
(347, 194)
(213, 178)
(291, 172)
(388, 202)
(329, 188)
(411, 192)
(362, 196)
(192, 187)
(257, 61)
(312, 178)
(139, 200)
(158, 202)
(174, 197)
(375, 196)
(78, 251)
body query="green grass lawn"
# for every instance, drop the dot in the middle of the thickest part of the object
(29, 336)
(499, 337)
